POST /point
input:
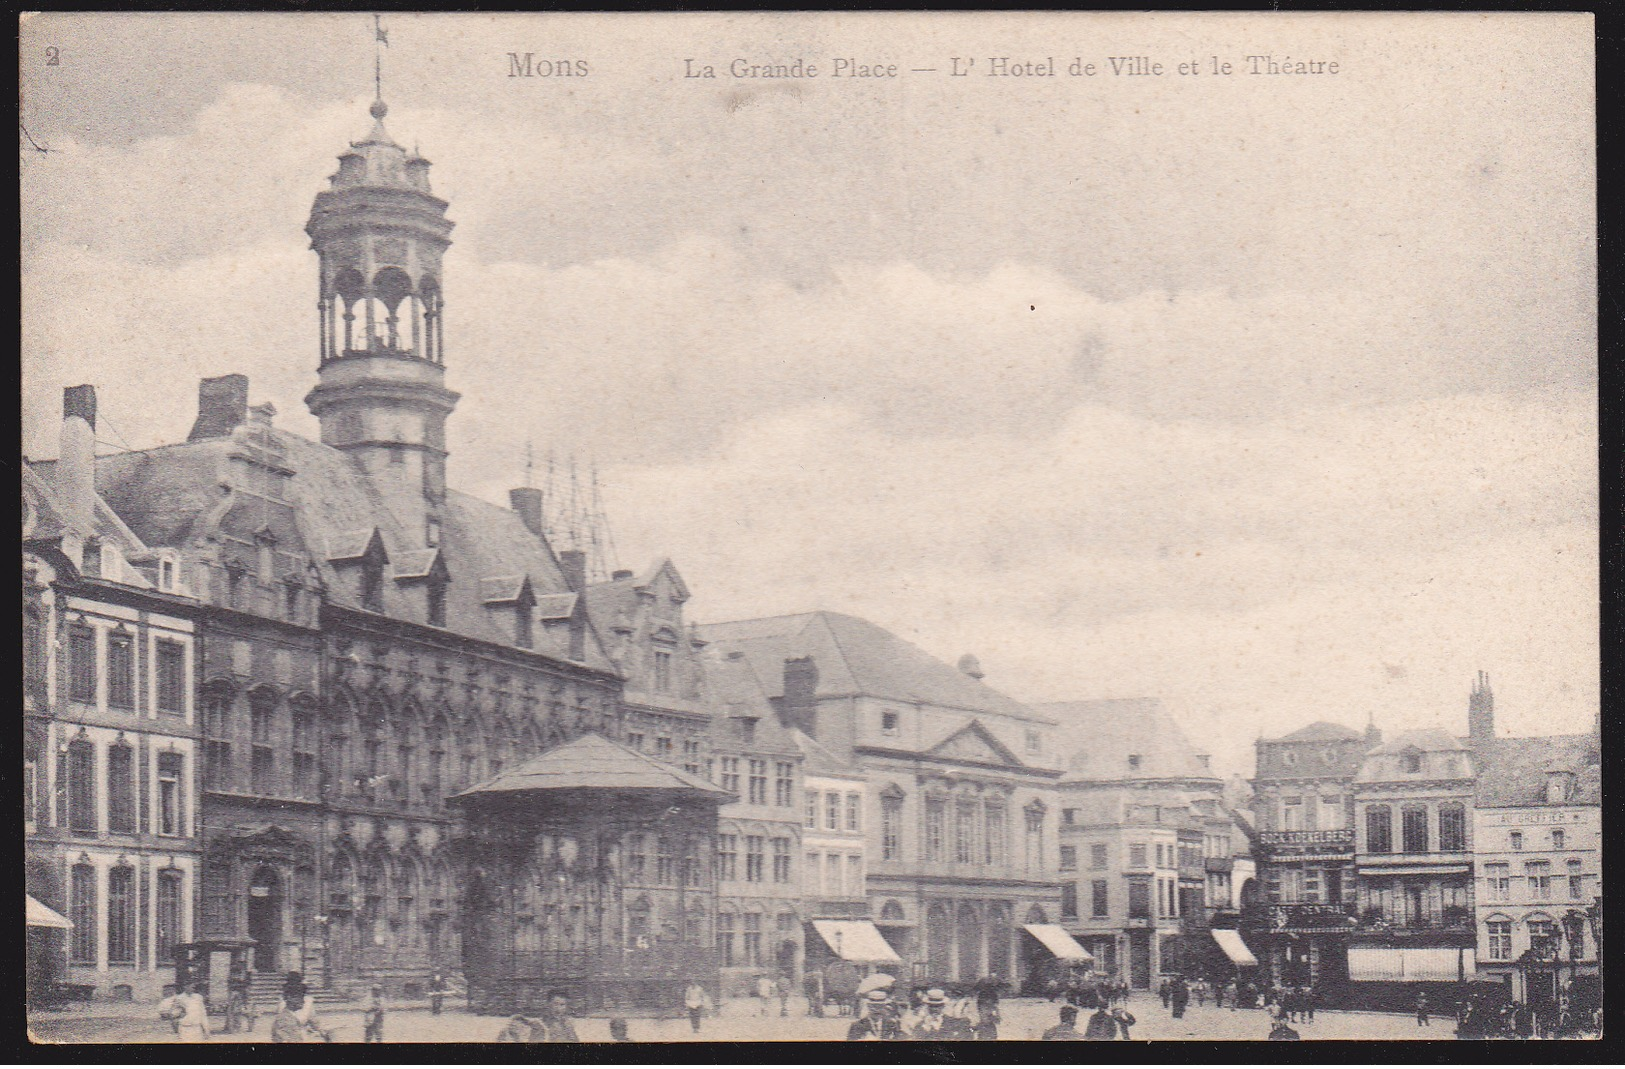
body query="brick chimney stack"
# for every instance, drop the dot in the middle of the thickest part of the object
(800, 702)
(76, 463)
(1481, 713)
(222, 407)
(573, 563)
(527, 501)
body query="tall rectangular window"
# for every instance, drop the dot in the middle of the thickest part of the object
(727, 945)
(170, 799)
(1452, 828)
(1069, 859)
(753, 939)
(936, 819)
(1097, 856)
(82, 941)
(781, 860)
(891, 829)
(854, 812)
(1497, 881)
(1379, 830)
(758, 782)
(82, 664)
(730, 775)
(662, 672)
(727, 857)
(691, 756)
(637, 857)
(121, 915)
(81, 772)
(665, 864)
(304, 758)
(994, 820)
(784, 783)
(436, 592)
(171, 671)
(812, 872)
(121, 788)
(1539, 876)
(1137, 857)
(753, 858)
(121, 670)
(1415, 822)
(1576, 880)
(854, 875)
(1139, 898)
(1069, 900)
(1097, 899)
(965, 832)
(167, 916)
(1035, 838)
(832, 811)
(1500, 940)
(810, 816)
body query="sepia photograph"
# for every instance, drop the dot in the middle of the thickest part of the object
(806, 527)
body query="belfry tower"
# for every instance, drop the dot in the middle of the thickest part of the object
(382, 398)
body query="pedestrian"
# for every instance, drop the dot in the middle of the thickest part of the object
(879, 1020)
(515, 1030)
(812, 986)
(1165, 992)
(193, 1024)
(936, 1024)
(1125, 1021)
(438, 990)
(1421, 1008)
(1066, 1028)
(1101, 1024)
(1280, 1030)
(169, 1008)
(555, 1025)
(1310, 997)
(373, 1018)
(695, 1000)
(782, 987)
(987, 1023)
(1199, 989)
(617, 1030)
(1179, 996)
(987, 994)
(296, 1022)
(764, 992)
(1230, 995)
(237, 1012)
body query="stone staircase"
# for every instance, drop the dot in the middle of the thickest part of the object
(265, 991)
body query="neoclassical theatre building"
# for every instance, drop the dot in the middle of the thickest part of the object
(372, 644)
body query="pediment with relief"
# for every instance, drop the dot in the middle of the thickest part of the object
(973, 742)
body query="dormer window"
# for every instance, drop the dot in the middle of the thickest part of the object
(90, 557)
(166, 575)
(1035, 742)
(431, 533)
(1412, 761)
(437, 602)
(1289, 758)
(1134, 762)
(888, 722)
(372, 584)
(662, 671)
(524, 620)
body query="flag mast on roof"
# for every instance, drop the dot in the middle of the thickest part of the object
(380, 36)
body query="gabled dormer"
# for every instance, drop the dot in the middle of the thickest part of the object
(512, 600)
(361, 558)
(424, 574)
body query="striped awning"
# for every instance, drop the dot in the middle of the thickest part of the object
(1058, 941)
(1234, 949)
(856, 941)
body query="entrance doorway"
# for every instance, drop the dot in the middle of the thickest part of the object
(1139, 957)
(265, 918)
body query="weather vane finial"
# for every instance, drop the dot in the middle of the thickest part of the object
(380, 37)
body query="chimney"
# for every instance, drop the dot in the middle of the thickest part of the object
(1373, 734)
(263, 415)
(620, 573)
(76, 464)
(573, 563)
(971, 666)
(527, 501)
(1558, 785)
(1481, 714)
(222, 407)
(800, 703)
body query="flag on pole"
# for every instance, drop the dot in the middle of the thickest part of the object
(382, 34)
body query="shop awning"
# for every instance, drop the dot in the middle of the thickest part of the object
(1057, 941)
(1446, 964)
(42, 916)
(1234, 949)
(856, 940)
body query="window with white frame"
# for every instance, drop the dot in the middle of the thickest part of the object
(1499, 943)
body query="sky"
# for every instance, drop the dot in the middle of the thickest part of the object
(1272, 396)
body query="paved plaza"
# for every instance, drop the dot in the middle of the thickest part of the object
(742, 1021)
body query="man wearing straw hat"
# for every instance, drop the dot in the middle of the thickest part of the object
(879, 1020)
(936, 1024)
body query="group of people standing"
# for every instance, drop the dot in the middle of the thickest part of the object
(968, 1012)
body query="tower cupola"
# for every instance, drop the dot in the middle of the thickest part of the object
(380, 236)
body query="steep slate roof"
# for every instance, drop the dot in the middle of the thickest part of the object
(172, 496)
(1512, 772)
(1428, 740)
(1443, 757)
(592, 762)
(1098, 737)
(1319, 731)
(856, 657)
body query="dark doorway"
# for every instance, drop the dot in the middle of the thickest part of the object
(1139, 957)
(265, 918)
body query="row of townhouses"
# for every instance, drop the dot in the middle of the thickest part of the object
(303, 697)
(1389, 865)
